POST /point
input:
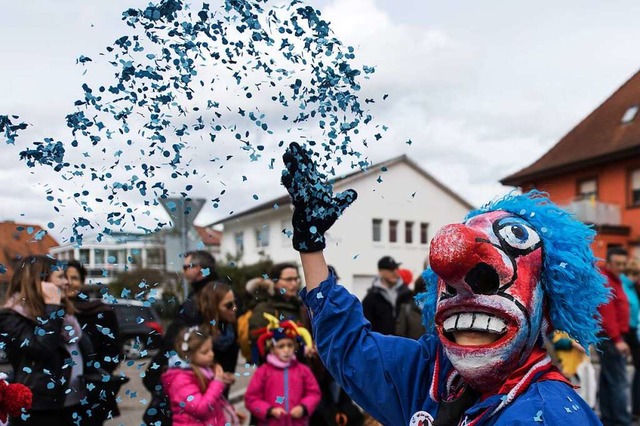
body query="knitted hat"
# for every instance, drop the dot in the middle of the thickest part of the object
(277, 330)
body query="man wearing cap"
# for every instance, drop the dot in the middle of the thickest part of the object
(386, 295)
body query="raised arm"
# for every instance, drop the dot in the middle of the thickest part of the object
(316, 208)
(386, 375)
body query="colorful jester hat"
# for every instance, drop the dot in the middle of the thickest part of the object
(276, 330)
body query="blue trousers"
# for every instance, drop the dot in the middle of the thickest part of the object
(613, 390)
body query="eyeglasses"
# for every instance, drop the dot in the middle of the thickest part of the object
(189, 266)
(290, 279)
(229, 305)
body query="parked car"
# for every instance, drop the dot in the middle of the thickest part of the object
(140, 328)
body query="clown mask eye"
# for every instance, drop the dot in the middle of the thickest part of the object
(517, 235)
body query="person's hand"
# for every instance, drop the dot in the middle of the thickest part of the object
(297, 412)
(310, 351)
(242, 416)
(229, 378)
(316, 208)
(623, 348)
(277, 412)
(51, 293)
(218, 372)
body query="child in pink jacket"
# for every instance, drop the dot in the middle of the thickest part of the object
(282, 392)
(195, 385)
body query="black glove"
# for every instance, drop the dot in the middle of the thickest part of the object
(315, 206)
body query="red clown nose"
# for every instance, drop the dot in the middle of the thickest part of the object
(463, 257)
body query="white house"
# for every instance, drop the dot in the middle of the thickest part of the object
(399, 207)
(113, 254)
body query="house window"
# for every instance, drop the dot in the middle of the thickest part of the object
(99, 256)
(408, 232)
(136, 257)
(376, 228)
(393, 231)
(588, 189)
(155, 257)
(115, 256)
(262, 236)
(238, 237)
(424, 233)
(84, 256)
(635, 187)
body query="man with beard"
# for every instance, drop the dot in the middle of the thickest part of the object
(512, 269)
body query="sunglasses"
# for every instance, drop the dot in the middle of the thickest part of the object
(229, 305)
(189, 266)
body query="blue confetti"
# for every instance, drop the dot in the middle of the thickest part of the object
(155, 101)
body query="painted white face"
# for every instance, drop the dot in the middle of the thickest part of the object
(490, 300)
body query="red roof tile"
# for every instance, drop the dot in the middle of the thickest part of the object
(600, 138)
(18, 240)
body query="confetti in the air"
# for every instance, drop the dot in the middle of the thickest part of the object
(236, 79)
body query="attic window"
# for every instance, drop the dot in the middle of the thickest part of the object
(630, 114)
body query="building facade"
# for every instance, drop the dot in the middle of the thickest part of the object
(399, 208)
(594, 170)
(114, 254)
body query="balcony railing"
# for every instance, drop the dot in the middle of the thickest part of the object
(596, 212)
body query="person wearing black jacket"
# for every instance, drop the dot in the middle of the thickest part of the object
(97, 319)
(45, 345)
(99, 323)
(382, 303)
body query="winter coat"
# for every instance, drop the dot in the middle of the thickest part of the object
(276, 385)
(96, 318)
(615, 313)
(630, 291)
(190, 406)
(400, 380)
(189, 316)
(379, 310)
(38, 354)
(409, 322)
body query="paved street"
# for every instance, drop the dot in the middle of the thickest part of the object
(134, 397)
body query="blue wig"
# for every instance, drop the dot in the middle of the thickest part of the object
(572, 283)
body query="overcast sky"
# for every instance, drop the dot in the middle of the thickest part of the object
(481, 88)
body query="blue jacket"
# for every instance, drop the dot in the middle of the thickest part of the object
(392, 378)
(632, 296)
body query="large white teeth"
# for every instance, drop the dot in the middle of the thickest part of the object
(475, 321)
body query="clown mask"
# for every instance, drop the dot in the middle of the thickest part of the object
(490, 300)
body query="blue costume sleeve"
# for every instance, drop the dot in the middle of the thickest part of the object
(388, 376)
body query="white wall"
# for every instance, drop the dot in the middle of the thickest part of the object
(279, 249)
(352, 250)
(350, 246)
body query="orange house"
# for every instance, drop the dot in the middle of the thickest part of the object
(594, 170)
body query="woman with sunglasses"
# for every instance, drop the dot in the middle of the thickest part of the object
(217, 305)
